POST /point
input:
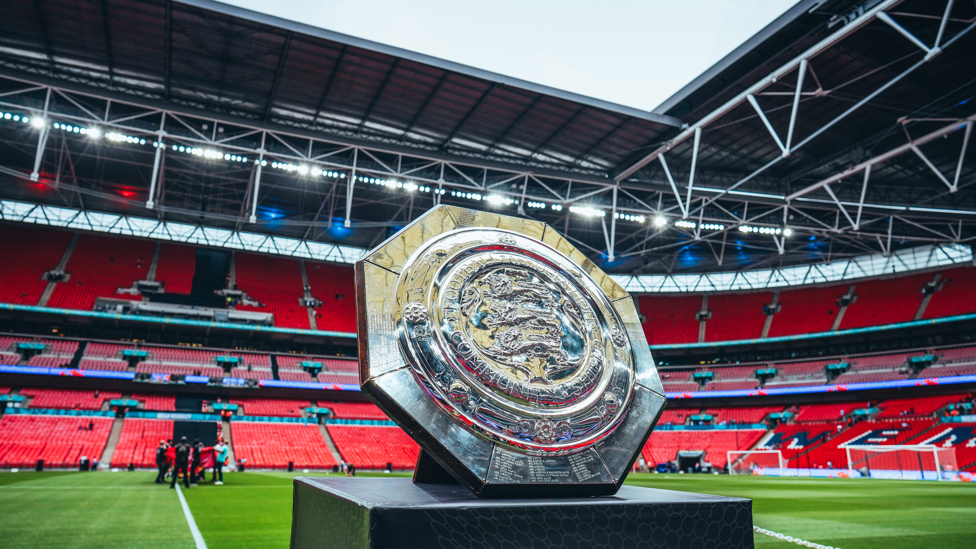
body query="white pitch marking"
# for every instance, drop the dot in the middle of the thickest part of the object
(197, 537)
(791, 539)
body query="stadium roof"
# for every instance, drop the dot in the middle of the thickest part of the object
(865, 158)
(223, 59)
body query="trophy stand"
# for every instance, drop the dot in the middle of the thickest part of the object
(396, 513)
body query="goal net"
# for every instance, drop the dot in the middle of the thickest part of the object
(915, 462)
(747, 462)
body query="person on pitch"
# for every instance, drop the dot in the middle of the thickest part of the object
(195, 462)
(220, 459)
(161, 462)
(182, 463)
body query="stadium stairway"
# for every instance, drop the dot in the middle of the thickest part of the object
(328, 442)
(49, 290)
(843, 309)
(807, 450)
(113, 440)
(920, 313)
(761, 443)
(308, 295)
(228, 440)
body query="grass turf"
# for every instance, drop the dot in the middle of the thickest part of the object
(253, 509)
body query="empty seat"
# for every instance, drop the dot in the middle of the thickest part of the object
(274, 445)
(372, 447)
(139, 440)
(60, 441)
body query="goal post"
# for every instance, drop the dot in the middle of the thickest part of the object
(903, 461)
(747, 462)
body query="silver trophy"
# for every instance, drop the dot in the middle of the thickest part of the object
(518, 365)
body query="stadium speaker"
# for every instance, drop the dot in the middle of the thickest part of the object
(291, 466)
(40, 465)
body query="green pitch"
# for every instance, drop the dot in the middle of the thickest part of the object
(253, 510)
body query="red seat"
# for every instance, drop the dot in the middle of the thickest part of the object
(372, 447)
(274, 445)
(139, 440)
(60, 441)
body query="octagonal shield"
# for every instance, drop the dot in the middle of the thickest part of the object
(516, 363)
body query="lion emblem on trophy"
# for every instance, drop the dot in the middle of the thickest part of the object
(525, 324)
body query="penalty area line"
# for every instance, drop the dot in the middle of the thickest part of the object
(197, 537)
(791, 539)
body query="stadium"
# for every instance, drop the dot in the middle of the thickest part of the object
(185, 186)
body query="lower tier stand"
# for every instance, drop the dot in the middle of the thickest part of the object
(381, 513)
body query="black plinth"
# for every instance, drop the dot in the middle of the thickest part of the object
(381, 513)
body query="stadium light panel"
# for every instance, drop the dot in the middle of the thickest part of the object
(660, 221)
(629, 217)
(36, 122)
(685, 224)
(586, 211)
(761, 230)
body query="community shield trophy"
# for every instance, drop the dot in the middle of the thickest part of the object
(518, 365)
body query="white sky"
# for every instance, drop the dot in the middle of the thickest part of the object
(633, 52)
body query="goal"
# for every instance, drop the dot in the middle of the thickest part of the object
(914, 462)
(747, 462)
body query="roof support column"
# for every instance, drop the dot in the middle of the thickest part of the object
(962, 153)
(606, 237)
(801, 72)
(929, 52)
(932, 167)
(694, 164)
(942, 25)
(257, 179)
(839, 205)
(674, 188)
(352, 184)
(765, 121)
(864, 190)
(525, 187)
(160, 146)
(613, 226)
(45, 128)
